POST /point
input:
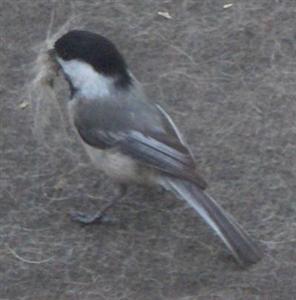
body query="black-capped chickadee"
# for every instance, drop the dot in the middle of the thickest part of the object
(132, 139)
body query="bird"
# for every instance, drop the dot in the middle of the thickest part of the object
(132, 139)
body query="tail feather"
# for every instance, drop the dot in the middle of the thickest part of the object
(244, 250)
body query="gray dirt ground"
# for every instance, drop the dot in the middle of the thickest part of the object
(227, 75)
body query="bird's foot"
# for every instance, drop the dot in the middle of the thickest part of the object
(100, 216)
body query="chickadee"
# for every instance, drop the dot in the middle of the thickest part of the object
(132, 139)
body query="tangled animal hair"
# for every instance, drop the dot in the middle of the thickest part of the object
(41, 90)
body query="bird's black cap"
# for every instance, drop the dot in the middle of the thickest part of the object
(95, 50)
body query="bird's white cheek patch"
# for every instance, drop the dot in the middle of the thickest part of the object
(88, 82)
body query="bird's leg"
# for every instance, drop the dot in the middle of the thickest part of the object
(98, 217)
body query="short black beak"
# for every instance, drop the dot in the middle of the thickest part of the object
(52, 66)
(52, 54)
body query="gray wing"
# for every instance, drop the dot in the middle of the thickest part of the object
(162, 149)
(154, 150)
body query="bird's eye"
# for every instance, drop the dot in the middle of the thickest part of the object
(65, 54)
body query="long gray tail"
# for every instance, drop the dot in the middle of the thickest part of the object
(244, 250)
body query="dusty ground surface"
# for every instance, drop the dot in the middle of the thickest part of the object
(227, 75)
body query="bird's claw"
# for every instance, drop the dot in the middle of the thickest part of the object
(87, 219)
